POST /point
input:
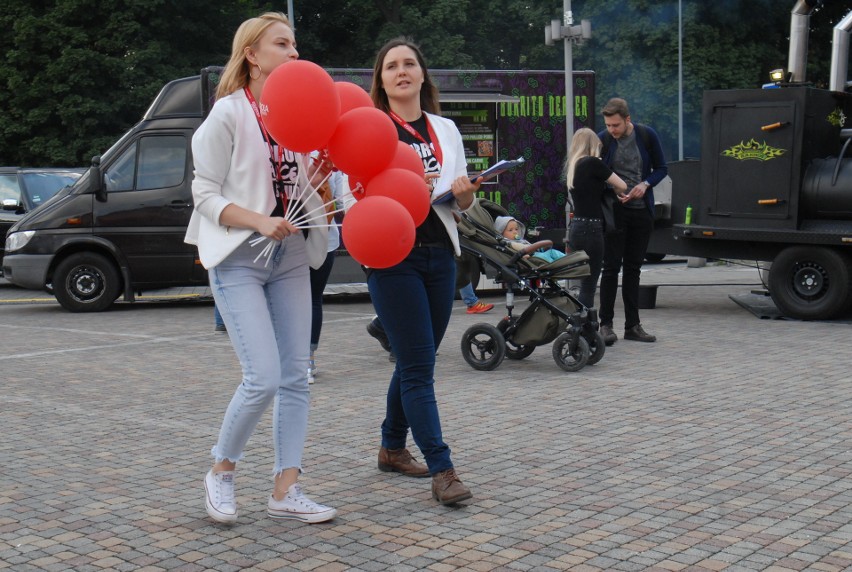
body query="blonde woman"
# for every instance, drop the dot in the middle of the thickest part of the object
(588, 178)
(258, 266)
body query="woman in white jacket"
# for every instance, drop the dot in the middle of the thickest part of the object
(258, 267)
(414, 299)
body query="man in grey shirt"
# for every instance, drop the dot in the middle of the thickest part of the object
(633, 151)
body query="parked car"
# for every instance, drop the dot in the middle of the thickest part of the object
(24, 189)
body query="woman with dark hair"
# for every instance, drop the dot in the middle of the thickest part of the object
(414, 298)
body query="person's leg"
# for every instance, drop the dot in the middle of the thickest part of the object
(414, 303)
(613, 251)
(219, 323)
(319, 279)
(588, 236)
(468, 295)
(288, 295)
(238, 289)
(638, 225)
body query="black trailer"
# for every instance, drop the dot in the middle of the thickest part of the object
(774, 184)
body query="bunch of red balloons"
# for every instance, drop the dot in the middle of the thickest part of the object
(305, 110)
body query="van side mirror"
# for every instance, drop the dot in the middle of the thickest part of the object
(96, 179)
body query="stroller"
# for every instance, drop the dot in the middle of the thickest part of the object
(554, 314)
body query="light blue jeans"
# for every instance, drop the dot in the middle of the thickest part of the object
(267, 310)
(468, 295)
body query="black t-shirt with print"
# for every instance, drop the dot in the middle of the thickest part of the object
(590, 175)
(432, 230)
(289, 177)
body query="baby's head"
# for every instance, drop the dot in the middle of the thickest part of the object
(509, 227)
(511, 230)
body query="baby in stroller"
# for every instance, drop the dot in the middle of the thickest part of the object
(514, 230)
(553, 314)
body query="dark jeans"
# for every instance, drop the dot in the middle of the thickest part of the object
(319, 278)
(626, 248)
(588, 235)
(414, 300)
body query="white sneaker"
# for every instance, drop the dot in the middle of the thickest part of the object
(297, 506)
(312, 370)
(219, 500)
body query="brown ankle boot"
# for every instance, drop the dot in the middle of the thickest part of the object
(448, 489)
(401, 461)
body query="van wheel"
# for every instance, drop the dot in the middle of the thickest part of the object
(86, 282)
(810, 283)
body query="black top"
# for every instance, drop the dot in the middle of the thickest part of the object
(590, 175)
(432, 230)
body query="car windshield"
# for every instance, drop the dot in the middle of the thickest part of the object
(39, 187)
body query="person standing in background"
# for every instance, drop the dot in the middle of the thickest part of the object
(587, 177)
(634, 152)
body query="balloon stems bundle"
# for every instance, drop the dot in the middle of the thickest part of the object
(305, 110)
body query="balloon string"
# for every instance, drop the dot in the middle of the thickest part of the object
(329, 225)
(308, 215)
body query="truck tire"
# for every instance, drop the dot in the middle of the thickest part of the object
(86, 282)
(811, 283)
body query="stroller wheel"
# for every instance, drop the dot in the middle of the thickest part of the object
(513, 351)
(597, 347)
(568, 358)
(483, 347)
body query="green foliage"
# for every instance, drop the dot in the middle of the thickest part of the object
(76, 74)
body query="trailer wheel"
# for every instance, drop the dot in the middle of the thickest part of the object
(811, 283)
(86, 282)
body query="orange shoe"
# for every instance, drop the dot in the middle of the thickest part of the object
(479, 308)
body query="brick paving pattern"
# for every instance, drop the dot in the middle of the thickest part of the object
(724, 446)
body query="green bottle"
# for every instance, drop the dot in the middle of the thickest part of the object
(688, 218)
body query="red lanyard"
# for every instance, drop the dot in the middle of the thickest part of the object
(435, 145)
(276, 164)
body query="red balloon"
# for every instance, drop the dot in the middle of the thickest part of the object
(407, 158)
(352, 96)
(364, 142)
(300, 106)
(404, 187)
(378, 232)
(358, 187)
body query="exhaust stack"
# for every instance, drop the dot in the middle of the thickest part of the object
(800, 18)
(840, 55)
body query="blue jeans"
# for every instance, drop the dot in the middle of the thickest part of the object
(587, 235)
(625, 247)
(267, 310)
(414, 300)
(217, 316)
(319, 278)
(468, 295)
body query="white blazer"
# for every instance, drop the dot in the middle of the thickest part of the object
(453, 166)
(231, 160)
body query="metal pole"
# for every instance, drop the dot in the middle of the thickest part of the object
(290, 15)
(568, 20)
(680, 80)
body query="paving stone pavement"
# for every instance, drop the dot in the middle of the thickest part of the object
(723, 446)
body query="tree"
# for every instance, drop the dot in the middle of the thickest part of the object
(78, 73)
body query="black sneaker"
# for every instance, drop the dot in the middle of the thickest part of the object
(608, 335)
(637, 334)
(375, 329)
